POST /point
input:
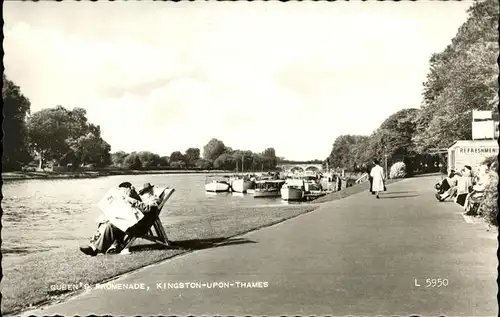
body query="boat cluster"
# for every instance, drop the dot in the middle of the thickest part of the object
(291, 187)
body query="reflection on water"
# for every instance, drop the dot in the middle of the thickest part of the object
(40, 215)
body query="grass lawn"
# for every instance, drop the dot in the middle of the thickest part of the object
(28, 279)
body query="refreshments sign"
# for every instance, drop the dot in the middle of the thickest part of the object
(471, 153)
(478, 150)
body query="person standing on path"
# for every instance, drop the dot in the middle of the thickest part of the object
(370, 179)
(377, 174)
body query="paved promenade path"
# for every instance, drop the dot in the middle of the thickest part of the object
(356, 256)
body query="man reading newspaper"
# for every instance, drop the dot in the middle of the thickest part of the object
(124, 212)
(148, 205)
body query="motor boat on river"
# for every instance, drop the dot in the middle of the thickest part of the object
(293, 190)
(218, 184)
(311, 184)
(268, 188)
(242, 184)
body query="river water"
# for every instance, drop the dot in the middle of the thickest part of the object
(42, 215)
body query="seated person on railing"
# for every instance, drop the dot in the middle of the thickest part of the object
(108, 235)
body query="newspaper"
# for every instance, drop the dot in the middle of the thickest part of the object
(118, 211)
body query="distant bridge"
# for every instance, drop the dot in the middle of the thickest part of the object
(300, 167)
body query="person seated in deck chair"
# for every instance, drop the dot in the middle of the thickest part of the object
(148, 205)
(448, 188)
(476, 193)
(464, 186)
(108, 237)
(445, 184)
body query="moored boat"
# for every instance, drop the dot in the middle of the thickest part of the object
(311, 184)
(268, 188)
(242, 184)
(293, 189)
(217, 185)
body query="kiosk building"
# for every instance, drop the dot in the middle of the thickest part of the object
(484, 143)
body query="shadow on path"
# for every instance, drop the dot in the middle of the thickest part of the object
(394, 197)
(428, 174)
(193, 244)
(400, 192)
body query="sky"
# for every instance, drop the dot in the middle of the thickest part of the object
(164, 76)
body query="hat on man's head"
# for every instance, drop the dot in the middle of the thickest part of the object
(146, 187)
(468, 167)
(125, 185)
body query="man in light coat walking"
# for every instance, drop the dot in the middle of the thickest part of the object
(377, 174)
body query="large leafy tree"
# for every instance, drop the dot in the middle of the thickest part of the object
(149, 159)
(348, 151)
(92, 149)
(394, 138)
(203, 164)
(48, 132)
(213, 149)
(177, 156)
(224, 157)
(192, 155)
(225, 161)
(268, 157)
(359, 151)
(15, 108)
(177, 160)
(178, 164)
(463, 77)
(58, 134)
(132, 161)
(118, 157)
(164, 161)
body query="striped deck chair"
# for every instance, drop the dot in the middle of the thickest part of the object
(157, 232)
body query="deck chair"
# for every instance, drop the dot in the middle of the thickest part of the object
(473, 201)
(157, 232)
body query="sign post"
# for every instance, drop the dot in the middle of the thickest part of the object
(386, 174)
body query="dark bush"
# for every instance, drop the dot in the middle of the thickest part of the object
(489, 207)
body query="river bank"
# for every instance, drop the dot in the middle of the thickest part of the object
(43, 277)
(38, 278)
(22, 175)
